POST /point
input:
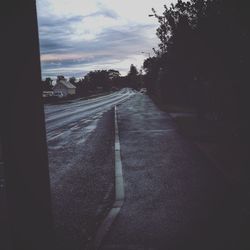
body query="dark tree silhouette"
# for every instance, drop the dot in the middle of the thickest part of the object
(47, 84)
(133, 78)
(103, 79)
(203, 56)
(151, 66)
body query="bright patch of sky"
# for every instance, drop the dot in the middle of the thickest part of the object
(77, 36)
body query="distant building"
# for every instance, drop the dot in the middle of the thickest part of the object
(47, 93)
(64, 87)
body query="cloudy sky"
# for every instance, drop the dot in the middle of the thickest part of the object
(77, 36)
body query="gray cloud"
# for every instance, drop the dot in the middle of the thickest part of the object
(104, 12)
(113, 44)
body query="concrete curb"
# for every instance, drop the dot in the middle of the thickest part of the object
(119, 191)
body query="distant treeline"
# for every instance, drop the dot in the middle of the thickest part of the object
(203, 57)
(100, 81)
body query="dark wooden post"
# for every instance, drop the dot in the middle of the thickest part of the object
(23, 129)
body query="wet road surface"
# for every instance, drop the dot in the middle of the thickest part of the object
(80, 138)
(63, 118)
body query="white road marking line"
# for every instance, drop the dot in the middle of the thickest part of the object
(86, 121)
(75, 127)
(54, 137)
(119, 192)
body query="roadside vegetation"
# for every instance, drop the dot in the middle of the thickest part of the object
(199, 74)
(96, 83)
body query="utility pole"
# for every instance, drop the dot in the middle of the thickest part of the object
(23, 130)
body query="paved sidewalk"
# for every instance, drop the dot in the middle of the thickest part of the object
(174, 198)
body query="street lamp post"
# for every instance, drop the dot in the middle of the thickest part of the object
(164, 23)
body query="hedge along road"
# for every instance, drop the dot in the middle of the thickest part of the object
(80, 138)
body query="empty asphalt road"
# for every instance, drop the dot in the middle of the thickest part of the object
(80, 137)
(61, 119)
